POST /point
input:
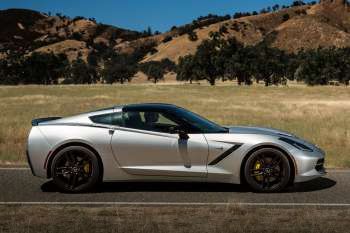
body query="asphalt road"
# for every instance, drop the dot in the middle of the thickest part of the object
(21, 186)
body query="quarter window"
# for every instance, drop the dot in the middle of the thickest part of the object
(109, 119)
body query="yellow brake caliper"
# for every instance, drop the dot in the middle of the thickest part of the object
(257, 166)
(86, 167)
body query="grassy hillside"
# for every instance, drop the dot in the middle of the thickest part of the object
(291, 28)
(325, 24)
(319, 114)
(24, 31)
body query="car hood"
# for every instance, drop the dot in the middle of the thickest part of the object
(258, 130)
(272, 132)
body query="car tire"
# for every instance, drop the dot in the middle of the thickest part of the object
(267, 170)
(75, 169)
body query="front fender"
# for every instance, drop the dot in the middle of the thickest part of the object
(230, 168)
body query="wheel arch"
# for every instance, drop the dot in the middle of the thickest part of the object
(73, 143)
(289, 157)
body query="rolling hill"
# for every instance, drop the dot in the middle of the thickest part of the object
(304, 27)
(291, 29)
(24, 31)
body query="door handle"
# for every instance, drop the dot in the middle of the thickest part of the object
(219, 148)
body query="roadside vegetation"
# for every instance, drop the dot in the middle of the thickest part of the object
(318, 114)
(152, 219)
(221, 59)
(216, 59)
(104, 65)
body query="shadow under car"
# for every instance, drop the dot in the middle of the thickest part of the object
(110, 187)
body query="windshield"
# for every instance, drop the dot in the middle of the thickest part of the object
(200, 123)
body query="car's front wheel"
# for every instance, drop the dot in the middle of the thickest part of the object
(267, 170)
(75, 169)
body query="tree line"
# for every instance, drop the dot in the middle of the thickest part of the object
(216, 59)
(101, 66)
(273, 8)
(220, 59)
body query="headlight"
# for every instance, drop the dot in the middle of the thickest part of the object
(298, 145)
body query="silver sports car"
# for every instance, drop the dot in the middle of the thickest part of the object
(163, 142)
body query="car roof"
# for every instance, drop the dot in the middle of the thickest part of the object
(149, 107)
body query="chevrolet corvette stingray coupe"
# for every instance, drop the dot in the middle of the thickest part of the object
(164, 143)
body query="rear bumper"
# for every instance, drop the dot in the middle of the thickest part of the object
(30, 163)
(37, 151)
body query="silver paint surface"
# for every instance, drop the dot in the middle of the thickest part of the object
(139, 155)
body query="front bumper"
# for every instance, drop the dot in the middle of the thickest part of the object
(310, 166)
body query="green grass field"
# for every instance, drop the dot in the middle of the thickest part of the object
(318, 114)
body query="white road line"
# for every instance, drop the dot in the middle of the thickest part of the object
(178, 204)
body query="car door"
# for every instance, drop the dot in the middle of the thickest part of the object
(145, 146)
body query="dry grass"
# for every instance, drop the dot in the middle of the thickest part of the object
(172, 219)
(72, 48)
(319, 114)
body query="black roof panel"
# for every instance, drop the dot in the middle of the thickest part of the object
(150, 107)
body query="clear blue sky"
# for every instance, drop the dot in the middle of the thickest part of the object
(139, 14)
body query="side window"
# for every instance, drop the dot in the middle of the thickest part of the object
(151, 121)
(133, 120)
(108, 119)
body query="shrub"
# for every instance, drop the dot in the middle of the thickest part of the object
(238, 15)
(192, 36)
(223, 30)
(78, 18)
(285, 17)
(301, 12)
(167, 39)
(298, 3)
(76, 36)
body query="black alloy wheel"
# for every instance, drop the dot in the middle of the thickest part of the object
(75, 169)
(267, 170)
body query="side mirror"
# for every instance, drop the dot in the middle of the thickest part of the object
(183, 135)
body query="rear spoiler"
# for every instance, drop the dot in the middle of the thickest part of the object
(36, 122)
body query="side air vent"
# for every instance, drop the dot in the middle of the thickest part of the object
(320, 165)
(224, 155)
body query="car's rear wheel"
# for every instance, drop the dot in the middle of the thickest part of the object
(267, 170)
(75, 169)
